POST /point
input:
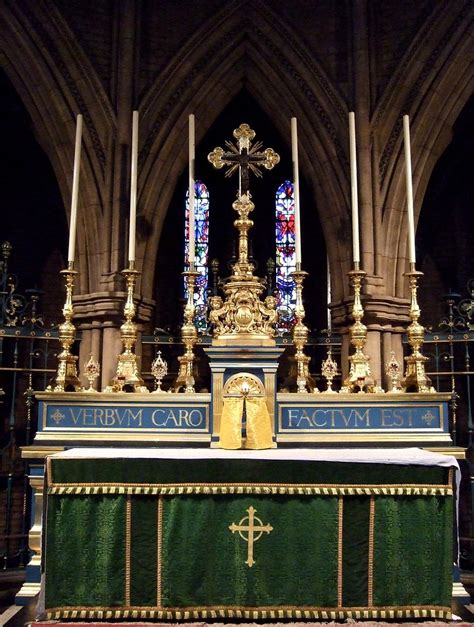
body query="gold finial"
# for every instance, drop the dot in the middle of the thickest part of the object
(92, 371)
(159, 369)
(329, 372)
(393, 370)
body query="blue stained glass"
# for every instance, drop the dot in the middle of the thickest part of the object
(201, 231)
(285, 256)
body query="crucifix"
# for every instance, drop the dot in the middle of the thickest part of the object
(244, 157)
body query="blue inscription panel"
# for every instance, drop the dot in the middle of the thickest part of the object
(171, 417)
(360, 417)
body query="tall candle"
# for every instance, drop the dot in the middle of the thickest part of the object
(409, 185)
(329, 294)
(75, 191)
(133, 190)
(354, 195)
(296, 190)
(192, 156)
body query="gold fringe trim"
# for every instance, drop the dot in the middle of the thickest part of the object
(128, 548)
(252, 488)
(370, 566)
(340, 537)
(159, 546)
(253, 613)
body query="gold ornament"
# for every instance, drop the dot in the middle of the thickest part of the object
(416, 379)
(393, 370)
(92, 371)
(329, 371)
(127, 374)
(159, 369)
(66, 376)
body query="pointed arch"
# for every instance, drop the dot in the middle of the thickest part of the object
(432, 84)
(37, 42)
(232, 49)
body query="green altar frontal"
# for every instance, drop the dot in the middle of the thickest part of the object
(252, 535)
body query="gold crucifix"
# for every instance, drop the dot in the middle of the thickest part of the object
(251, 529)
(244, 156)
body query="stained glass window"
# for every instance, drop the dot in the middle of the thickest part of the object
(285, 256)
(201, 230)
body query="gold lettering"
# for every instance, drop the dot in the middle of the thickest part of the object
(75, 417)
(304, 416)
(292, 415)
(346, 420)
(171, 417)
(200, 418)
(88, 418)
(183, 416)
(398, 418)
(136, 417)
(154, 416)
(315, 421)
(362, 417)
(386, 415)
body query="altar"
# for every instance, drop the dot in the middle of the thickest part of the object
(197, 532)
(202, 534)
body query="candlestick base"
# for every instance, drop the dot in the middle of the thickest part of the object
(416, 379)
(127, 377)
(66, 379)
(360, 378)
(185, 379)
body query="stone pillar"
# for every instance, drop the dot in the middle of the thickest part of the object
(386, 319)
(99, 317)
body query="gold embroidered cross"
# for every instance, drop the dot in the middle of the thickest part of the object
(254, 532)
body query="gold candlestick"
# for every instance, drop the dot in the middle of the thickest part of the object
(185, 378)
(300, 335)
(66, 377)
(415, 379)
(360, 377)
(127, 374)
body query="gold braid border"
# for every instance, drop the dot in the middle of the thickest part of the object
(128, 547)
(370, 568)
(254, 613)
(159, 545)
(253, 488)
(340, 517)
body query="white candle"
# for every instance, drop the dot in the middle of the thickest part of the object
(133, 190)
(192, 156)
(354, 195)
(296, 190)
(329, 294)
(75, 191)
(411, 221)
